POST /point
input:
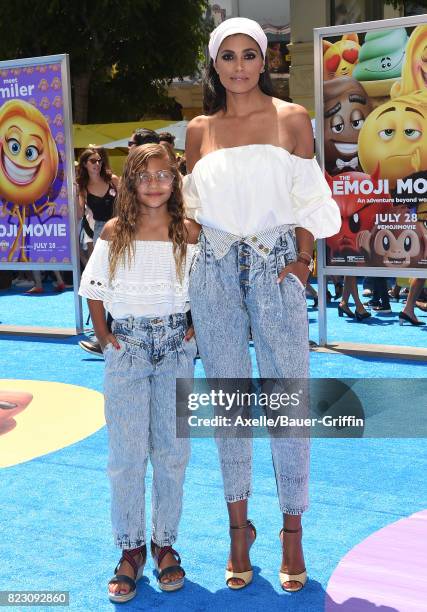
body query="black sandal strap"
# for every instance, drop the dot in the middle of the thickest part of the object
(124, 579)
(247, 524)
(170, 570)
(290, 530)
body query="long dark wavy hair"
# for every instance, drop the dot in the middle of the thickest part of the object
(214, 95)
(122, 245)
(82, 175)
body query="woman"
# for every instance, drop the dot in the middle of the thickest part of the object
(97, 187)
(350, 289)
(261, 200)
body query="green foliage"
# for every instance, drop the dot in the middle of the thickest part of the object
(126, 49)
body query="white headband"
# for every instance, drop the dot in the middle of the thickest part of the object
(237, 25)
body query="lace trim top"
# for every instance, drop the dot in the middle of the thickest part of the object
(249, 189)
(147, 286)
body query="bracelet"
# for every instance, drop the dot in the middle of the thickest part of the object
(305, 253)
(309, 264)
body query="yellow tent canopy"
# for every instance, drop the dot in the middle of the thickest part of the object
(102, 133)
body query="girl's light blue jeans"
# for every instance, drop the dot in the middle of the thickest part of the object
(139, 389)
(229, 296)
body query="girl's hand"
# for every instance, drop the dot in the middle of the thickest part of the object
(298, 268)
(109, 339)
(189, 334)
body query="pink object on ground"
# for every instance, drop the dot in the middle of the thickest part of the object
(386, 572)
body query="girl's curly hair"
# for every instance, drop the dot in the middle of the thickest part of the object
(122, 244)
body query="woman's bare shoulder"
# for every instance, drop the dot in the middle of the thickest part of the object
(193, 230)
(289, 109)
(295, 121)
(108, 229)
(196, 130)
(197, 125)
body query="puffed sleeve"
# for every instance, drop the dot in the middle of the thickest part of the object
(312, 202)
(191, 196)
(94, 281)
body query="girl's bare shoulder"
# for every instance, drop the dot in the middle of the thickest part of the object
(193, 231)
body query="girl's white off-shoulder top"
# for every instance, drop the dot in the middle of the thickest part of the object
(249, 189)
(148, 286)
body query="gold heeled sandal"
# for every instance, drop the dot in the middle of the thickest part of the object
(284, 577)
(245, 577)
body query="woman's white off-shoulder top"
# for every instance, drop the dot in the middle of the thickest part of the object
(146, 287)
(250, 189)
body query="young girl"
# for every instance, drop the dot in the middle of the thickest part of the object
(139, 273)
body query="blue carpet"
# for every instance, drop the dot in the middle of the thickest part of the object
(54, 511)
(57, 310)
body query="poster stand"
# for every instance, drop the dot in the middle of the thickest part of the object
(325, 268)
(63, 254)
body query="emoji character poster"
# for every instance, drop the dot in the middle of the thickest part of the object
(35, 224)
(374, 146)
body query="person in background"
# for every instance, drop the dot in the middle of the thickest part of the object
(408, 315)
(380, 301)
(351, 289)
(96, 192)
(59, 285)
(97, 187)
(167, 137)
(143, 136)
(182, 165)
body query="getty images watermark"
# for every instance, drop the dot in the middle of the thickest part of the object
(318, 407)
(270, 401)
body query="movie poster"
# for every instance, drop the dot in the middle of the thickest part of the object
(375, 145)
(34, 210)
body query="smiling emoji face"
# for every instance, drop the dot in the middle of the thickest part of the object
(340, 58)
(28, 154)
(394, 137)
(346, 108)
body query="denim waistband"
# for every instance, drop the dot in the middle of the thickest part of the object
(261, 243)
(173, 321)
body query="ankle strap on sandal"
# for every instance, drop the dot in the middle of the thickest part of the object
(164, 550)
(291, 530)
(129, 556)
(247, 524)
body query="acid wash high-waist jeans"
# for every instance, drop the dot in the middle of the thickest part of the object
(229, 296)
(139, 390)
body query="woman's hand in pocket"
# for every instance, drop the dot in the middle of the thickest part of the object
(298, 269)
(189, 334)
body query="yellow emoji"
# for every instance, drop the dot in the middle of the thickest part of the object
(393, 138)
(414, 70)
(28, 153)
(341, 57)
